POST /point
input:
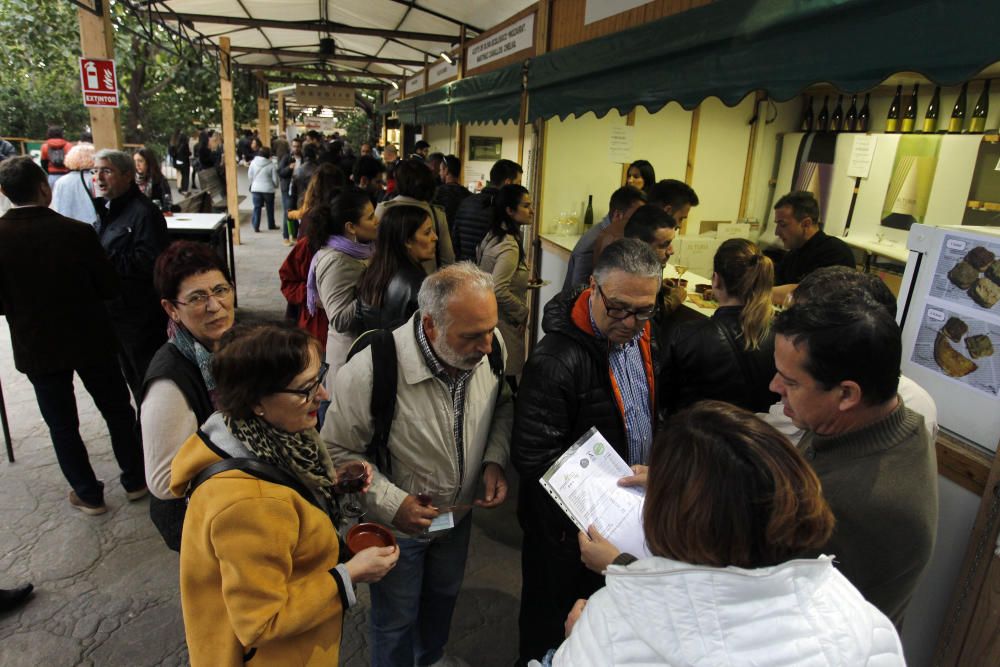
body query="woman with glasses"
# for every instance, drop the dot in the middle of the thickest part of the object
(178, 393)
(262, 575)
(729, 356)
(501, 254)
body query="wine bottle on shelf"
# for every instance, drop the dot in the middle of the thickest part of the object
(892, 119)
(823, 122)
(851, 120)
(978, 123)
(837, 119)
(807, 116)
(910, 114)
(865, 116)
(931, 117)
(958, 111)
(588, 215)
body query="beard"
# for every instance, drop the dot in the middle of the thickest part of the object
(452, 358)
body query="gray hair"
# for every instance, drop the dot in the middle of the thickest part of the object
(632, 256)
(121, 160)
(439, 287)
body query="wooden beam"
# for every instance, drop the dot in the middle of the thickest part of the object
(759, 98)
(692, 151)
(281, 114)
(263, 111)
(328, 27)
(229, 135)
(321, 82)
(967, 466)
(291, 69)
(97, 41)
(413, 5)
(290, 53)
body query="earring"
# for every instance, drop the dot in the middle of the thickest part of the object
(260, 414)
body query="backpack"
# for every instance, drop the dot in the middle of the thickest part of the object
(384, 381)
(57, 156)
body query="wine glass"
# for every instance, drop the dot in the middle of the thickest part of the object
(422, 490)
(351, 478)
(681, 270)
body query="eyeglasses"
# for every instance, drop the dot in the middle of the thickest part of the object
(102, 170)
(624, 313)
(308, 394)
(200, 299)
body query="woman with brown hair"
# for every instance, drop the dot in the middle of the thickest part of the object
(730, 509)
(150, 179)
(730, 356)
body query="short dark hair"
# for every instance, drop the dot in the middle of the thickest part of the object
(421, 144)
(20, 179)
(256, 359)
(54, 132)
(435, 157)
(624, 197)
(646, 220)
(310, 152)
(503, 170)
(368, 167)
(727, 489)
(803, 204)
(454, 165)
(415, 179)
(846, 340)
(673, 193)
(840, 283)
(264, 151)
(180, 261)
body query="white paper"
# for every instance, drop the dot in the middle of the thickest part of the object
(620, 144)
(862, 154)
(442, 522)
(585, 483)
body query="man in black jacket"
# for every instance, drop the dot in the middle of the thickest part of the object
(595, 367)
(54, 279)
(475, 214)
(133, 233)
(286, 170)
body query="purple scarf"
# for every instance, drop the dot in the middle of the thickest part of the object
(344, 245)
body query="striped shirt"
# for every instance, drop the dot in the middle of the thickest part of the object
(629, 371)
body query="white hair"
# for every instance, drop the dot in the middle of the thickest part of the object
(439, 287)
(120, 159)
(632, 256)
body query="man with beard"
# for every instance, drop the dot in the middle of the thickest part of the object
(451, 428)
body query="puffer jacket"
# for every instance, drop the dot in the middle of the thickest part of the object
(259, 577)
(398, 303)
(661, 612)
(472, 222)
(263, 175)
(565, 389)
(700, 363)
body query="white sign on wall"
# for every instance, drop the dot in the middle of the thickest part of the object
(620, 144)
(442, 71)
(514, 38)
(862, 154)
(602, 9)
(415, 83)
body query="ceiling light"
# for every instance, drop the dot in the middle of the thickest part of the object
(447, 58)
(394, 85)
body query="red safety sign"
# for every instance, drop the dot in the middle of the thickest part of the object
(98, 82)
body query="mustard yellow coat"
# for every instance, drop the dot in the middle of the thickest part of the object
(255, 570)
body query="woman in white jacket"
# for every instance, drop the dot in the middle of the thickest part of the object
(730, 507)
(263, 177)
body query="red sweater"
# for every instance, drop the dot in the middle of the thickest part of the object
(293, 273)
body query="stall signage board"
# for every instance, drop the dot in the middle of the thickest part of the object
(514, 38)
(326, 96)
(442, 71)
(601, 9)
(620, 144)
(98, 83)
(415, 84)
(392, 95)
(862, 154)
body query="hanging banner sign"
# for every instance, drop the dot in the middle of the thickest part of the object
(326, 96)
(415, 84)
(392, 95)
(98, 83)
(510, 40)
(442, 71)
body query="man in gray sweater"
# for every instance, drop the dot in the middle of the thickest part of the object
(838, 374)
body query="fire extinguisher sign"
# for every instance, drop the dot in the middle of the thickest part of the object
(98, 82)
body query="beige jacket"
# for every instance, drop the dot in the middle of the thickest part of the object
(510, 280)
(422, 439)
(337, 278)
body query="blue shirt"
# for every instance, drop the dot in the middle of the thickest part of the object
(581, 262)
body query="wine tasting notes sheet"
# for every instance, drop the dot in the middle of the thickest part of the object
(584, 482)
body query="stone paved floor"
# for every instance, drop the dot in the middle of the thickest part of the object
(106, 587)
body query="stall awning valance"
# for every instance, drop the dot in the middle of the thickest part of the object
(732, 47)
(491, 97)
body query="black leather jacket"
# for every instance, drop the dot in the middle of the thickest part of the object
(398, 303)
(565, 389)
(700, 363)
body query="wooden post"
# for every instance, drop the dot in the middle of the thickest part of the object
(229, 135)
(263, 111)
(692, 150)
(97, 41)
(542, 17)
(281, 114)
(459, 128)
(760, 98)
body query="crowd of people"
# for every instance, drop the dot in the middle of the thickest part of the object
(786, 464)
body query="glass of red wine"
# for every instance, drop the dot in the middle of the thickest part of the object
(424, 496)
(351, 478)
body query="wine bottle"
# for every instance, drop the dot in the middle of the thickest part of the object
(910, 114)
(930, 118)
(807, 116)
(958, 111)
(824, 115)
(588, 215)
(852, 115)
(892, 119)
(978, 123)
(864, 116)
(837, 119)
